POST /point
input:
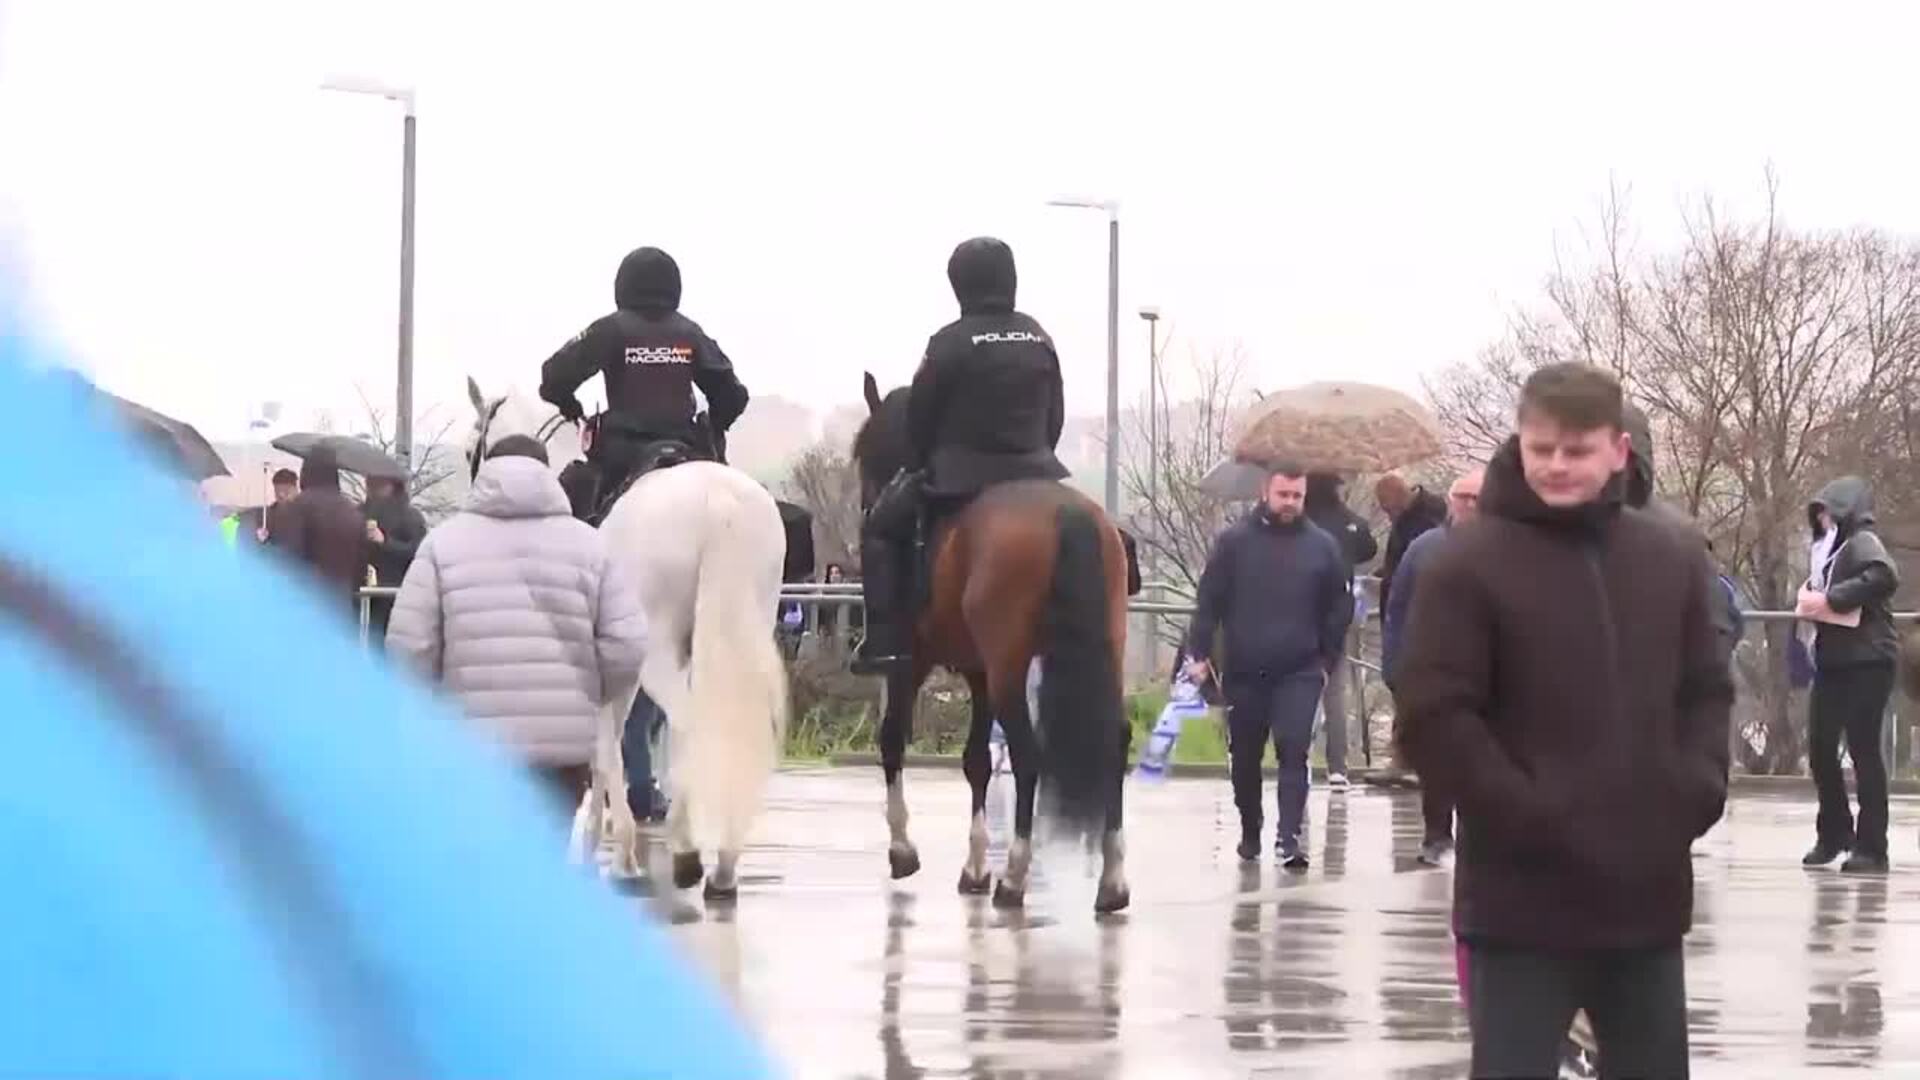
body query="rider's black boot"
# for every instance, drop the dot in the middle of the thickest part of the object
(885, 645)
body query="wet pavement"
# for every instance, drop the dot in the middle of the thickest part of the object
(1346, 970)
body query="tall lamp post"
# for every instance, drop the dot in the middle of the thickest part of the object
(1112, 209)
(403, 393)
(1152, 317)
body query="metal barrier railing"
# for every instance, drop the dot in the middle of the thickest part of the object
(818, 595)
(848, 593)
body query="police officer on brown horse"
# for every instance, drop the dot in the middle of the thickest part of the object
(986, 407)
(650, 357)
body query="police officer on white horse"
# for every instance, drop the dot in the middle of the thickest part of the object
(650, 357)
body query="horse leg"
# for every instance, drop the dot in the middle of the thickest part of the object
(1010, 704)
(975, 880)
(723, 885)
(610, 779)
(903, 859)
(664, 675)
(978, 765)
(1113, 894)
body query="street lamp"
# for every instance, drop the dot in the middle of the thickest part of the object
(1113, 338)
(1152, 317)
(403, 404)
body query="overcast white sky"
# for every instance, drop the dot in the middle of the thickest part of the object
(1352, 191)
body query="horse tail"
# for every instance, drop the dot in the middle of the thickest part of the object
(1079, 697)
(737, 683)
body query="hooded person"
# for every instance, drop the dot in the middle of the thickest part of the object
(1562, 680)
(651, 358)
(1853, 581)
(522, 613)
(1326, 509)
(986, 407)
(322, 528)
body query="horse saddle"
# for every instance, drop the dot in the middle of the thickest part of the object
(594, 490)
(935, 515)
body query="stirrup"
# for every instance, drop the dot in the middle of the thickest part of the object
(864, 662)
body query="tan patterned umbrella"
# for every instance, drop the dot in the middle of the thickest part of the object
(1339, 427)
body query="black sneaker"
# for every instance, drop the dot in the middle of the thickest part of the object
(1822, 854)
(1861, 862)
(1437, 853)
(1249, 848)
(1291, 857)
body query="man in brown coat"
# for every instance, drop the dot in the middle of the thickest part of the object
(1562, 680)
(322, 528)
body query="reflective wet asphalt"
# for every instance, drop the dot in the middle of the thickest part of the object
(1345, 970)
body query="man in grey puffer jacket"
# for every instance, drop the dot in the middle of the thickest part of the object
(519, 610)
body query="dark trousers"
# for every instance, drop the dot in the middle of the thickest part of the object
(636, 751)
(1280, 709)
(1521, 1001)
(1850, 701)
(379, 613)
(1436, 809)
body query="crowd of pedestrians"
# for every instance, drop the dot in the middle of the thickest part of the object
(1558, 646)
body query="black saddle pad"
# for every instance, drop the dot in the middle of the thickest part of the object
(629, 467)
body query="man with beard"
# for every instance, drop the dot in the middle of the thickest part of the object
(1277, 585)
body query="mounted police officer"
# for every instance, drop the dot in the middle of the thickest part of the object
(986, 407)
(651, 357)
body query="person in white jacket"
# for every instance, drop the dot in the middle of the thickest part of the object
(519, 610)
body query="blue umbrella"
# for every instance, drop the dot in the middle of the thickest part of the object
(233, 845)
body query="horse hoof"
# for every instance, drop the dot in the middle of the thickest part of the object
(903, 862)
(975, 886)
(1003, 897)
(687, 870)
(717, 895)
(1107, 901)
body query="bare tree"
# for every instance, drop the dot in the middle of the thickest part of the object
(1176, 526)
(825, 480)
(1767, 358)
(428, 469)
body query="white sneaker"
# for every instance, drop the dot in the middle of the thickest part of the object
(1338, 780)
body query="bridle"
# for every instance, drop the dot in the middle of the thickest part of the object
(544, 433)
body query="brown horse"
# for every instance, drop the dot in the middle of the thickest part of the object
(1026, 570)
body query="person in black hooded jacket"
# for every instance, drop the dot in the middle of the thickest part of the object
(651, 358)
(1852, 673)
(986, 407)
(1326, 509)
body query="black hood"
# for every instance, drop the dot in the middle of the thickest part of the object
(1323, 490)
(1849, 499)
(648, 282)
(320, 471)
(981, 271)
(1505, 494)
(1639, 474)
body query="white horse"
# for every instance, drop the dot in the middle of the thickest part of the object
(703, 545)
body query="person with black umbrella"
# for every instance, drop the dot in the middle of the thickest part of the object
(323, 529)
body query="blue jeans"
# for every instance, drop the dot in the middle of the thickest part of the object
(1280, 709)
(636, 750)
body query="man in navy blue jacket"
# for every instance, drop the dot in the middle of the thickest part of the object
(1463, 502)
(1277, 585)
